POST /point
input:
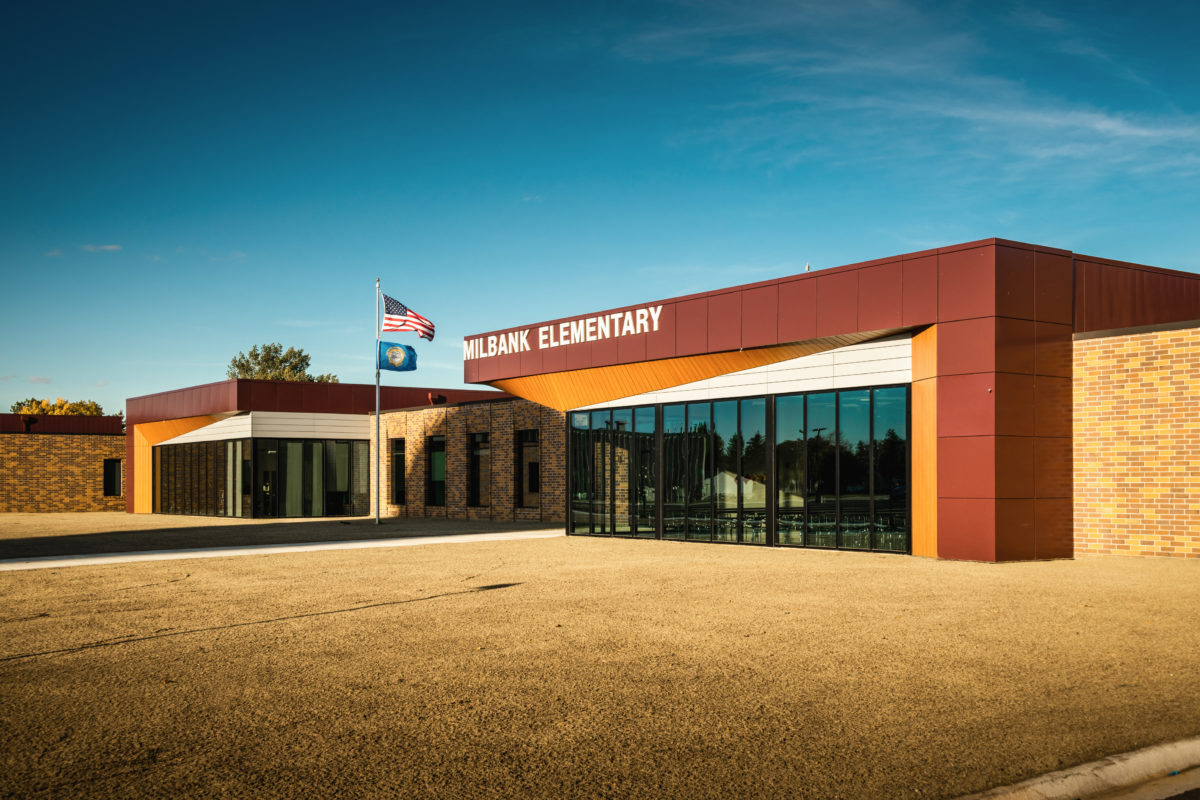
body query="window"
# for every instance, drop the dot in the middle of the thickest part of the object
(479, 470)
(529, 472)
(435, 484)
(112, 477)
(398, 468)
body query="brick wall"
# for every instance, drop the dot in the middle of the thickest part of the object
(58, 472)
(501, 419)
(1137, 444)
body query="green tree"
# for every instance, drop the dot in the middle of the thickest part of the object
(59, 407)
(271, 362)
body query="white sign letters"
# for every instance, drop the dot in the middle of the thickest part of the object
(588, 329)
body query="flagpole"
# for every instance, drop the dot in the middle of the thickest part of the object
(377, 475)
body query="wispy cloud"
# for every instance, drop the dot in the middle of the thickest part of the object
(892, 82)
(53, 253)
(100, 248)
(532, 198)
(155, 258)
(40, 379)
(236, 255)
(100, 384)
(7, 377)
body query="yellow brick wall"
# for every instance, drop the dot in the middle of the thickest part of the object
(1137, 444)
(41, 472)
(501, 419)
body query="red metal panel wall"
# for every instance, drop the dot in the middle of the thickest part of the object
(1110, 295)
(312, 398)
(61, 423)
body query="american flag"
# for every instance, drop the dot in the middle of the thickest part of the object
(399, 317)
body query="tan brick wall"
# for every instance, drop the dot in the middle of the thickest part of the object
(41, 472)
(500, 419)
(1137, 444)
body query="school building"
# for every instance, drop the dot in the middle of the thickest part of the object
(988, 401)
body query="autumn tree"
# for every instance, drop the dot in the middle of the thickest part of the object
(59, 407)
(271, 362)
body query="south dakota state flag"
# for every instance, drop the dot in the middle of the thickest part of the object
(397, 357)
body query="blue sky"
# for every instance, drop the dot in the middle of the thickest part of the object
(184, 180)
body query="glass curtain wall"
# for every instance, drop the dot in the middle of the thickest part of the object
(262, 478)
(645, 462)
(832, 468)
(674, 456)
(842, 469)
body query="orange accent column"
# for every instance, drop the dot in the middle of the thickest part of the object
(145, 436)
(924, 443)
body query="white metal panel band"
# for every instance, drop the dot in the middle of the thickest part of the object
(281, 425)
(874, 363)
(237, 427)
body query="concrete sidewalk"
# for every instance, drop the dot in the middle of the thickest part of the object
(38, 536)
(49, 562)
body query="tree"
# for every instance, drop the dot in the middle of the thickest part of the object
(32, 405)
(271, 362)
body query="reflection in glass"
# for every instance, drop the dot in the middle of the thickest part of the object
(674, 472)
(854, 468)
(822, 470)
(725, 445)
(622, 458)
(753, 476)
(789, 469)
(580, 472)
(602, 472)
(699, 472)
(644, 493)
(891, 469)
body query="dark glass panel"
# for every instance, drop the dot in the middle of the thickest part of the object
(293, 478)
(725, 447)
(699, 472)
(891, 469)
(360, 478)
(246, 451)
(622, 466)
(528, 469)
(399, 474)
(581, 473)
(479, 470)
(854, 468)
(822, 470)
(158, 480)
(789, 470)
(753, 466)
(337, 478)
(314, 469)
(644, 488)
(602, 472)
(674, 472)
(436, 471)
(266, 495)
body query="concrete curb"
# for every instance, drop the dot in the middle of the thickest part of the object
(1106, 775)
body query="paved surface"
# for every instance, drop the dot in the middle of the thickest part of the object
(54, 562)
(30, 536)
(575, 667)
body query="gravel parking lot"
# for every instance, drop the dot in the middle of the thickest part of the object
(577, 667)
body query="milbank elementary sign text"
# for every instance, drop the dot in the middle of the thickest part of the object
(587, 329)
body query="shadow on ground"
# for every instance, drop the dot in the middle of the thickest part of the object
(246, 534)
